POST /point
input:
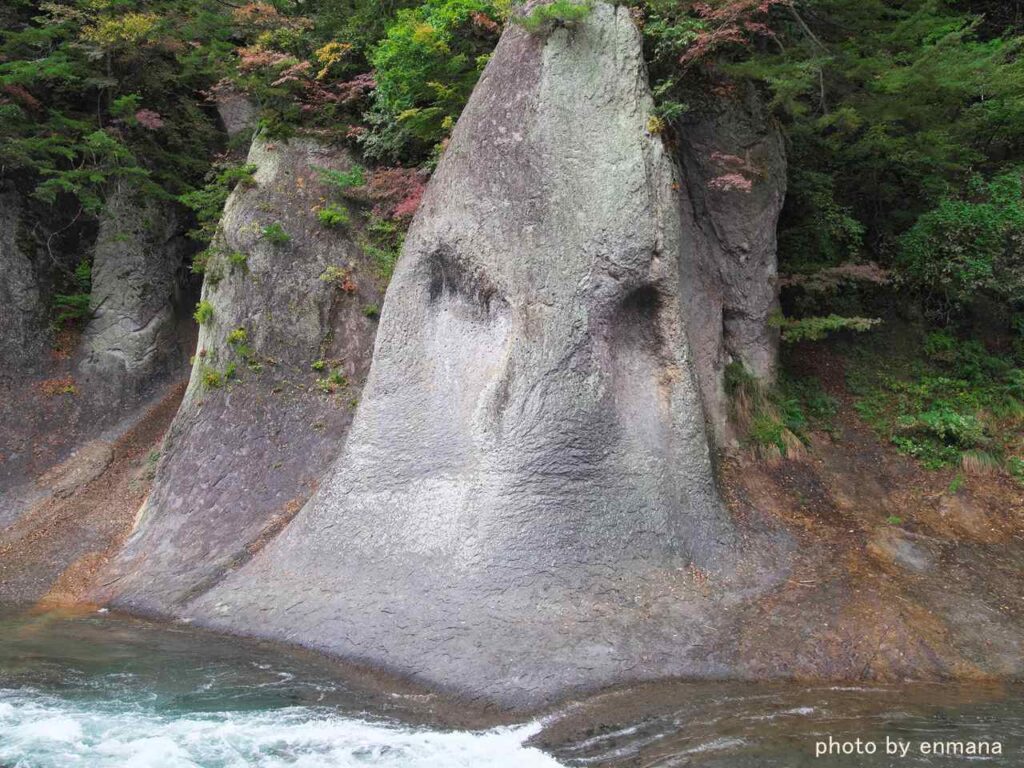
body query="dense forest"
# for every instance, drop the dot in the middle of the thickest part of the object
(902, 237)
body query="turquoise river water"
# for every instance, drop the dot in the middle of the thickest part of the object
(97, 690)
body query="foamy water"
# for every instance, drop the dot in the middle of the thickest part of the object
(98, 691)
(42, 730)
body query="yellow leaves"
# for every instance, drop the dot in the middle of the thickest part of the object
(129, 29)
(655, 125)
(332, 52)
(58, 14)
(424, 34)
(504, 10)
(441, 91)
(329, 55)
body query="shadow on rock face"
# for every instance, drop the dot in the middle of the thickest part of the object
(526, 503)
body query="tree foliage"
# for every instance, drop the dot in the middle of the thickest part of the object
(895, 114)
(426, 67)
(91, 90)
(970, 244)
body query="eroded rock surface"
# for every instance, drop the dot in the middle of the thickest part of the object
(138, 336)
(23, 333)
(525, 504)
(259, 424)
(236, 111)
(81, 514)
(734, 184)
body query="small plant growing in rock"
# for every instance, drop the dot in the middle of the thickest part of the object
(149, 468)
(64, 385)
(204, 312)
(550, 16)
(237, 339)
(275, 234)
(655, 125)
(213, 379)
(319, 365)
(372, 310)
(208, 201)
(238, 259)
(383, 243)
(201, 260)
(333, 215)
(666, 108)
(341, 277)
(343, 181)
(214, 272)
(332, 383)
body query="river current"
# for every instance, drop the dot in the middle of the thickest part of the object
(98, 690)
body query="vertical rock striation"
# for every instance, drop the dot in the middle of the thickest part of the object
(23, 336)
(138, 336)
(527, 492)
(255, 432)
(734, 183)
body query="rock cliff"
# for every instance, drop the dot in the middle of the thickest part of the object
(520, 500)
(734, 182)
(139, 333)
(526, 493)
(278, 367)
(22, 318)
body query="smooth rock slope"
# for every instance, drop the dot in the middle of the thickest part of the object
(525, 503)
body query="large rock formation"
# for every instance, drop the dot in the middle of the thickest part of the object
(139, 333)
(74, 419)
(22, 317)
(525, 503)
(268, 403)
(734, 171)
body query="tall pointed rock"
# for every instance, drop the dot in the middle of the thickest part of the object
(527, 490)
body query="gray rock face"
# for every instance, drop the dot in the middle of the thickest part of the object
(526, 493)
(236, 112)
(138, 334)
(734, 170)
(22, 318)
(245, 452)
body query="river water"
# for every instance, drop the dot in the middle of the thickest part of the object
(97, 690)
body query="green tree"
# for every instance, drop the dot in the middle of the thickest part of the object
(426, 67)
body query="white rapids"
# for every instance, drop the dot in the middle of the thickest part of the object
(41, 730)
